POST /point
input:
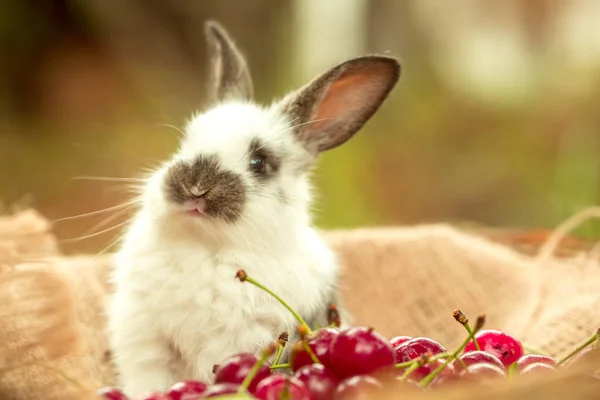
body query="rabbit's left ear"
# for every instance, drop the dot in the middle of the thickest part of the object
(333, 107)
(230, 77)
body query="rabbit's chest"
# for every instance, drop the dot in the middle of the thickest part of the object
(206, 300)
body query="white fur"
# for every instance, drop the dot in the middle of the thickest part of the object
(178, 308)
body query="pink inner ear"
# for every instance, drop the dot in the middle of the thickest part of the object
(344, 96)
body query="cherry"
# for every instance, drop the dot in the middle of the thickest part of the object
(274, 388)
(418, 346)
(320, 382)
(483, 372)
(413, 348)
(476, 356)
(235, 368)
(356, 388)
(220, 389)
(504, 346)
(536, 367)
(360, 351)
(111, 394)
(319, 342)
(397, 340)
(180, 390)
(535, 358)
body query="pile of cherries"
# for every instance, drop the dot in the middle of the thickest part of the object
(334, 364)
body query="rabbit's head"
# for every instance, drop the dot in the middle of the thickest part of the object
(240, 163)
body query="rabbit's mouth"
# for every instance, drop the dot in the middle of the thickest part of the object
(195, 207)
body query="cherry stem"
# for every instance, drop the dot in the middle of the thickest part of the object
(415, 363)
(311, 353)
(282, 340)
(263, 357)
(472, 336)
(590, 341)
(427, 380)
(333, 316)
(280, 366)
(241, 275)
(462, 319)
(278, 356)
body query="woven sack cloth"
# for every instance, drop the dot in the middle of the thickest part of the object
(399, 280)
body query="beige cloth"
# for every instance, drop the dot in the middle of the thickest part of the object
(401, 281)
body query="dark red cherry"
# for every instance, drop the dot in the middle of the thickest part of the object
(275, 387)
(235, 369)
(504, 346)
(360, 351)
(319, 342)
(357, 387)
(320, 382)
(185, 388)
(474, 357)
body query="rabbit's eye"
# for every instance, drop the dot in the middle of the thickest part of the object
(258, 165)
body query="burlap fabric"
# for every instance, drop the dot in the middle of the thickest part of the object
(402, 281)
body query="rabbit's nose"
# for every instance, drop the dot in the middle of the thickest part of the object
(197, 192)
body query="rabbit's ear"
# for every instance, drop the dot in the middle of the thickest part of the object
(230, 77)
(333, 107)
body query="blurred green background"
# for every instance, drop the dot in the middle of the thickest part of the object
(495, 120)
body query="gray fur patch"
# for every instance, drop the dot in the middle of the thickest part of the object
(224, 191)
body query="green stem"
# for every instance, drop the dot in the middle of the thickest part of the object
(410, 370)
(472, 336)
(427, 380)
(578, 349)
(278, 356)
(312, 355)
(280, 366)
(279, 299)
(248, 379)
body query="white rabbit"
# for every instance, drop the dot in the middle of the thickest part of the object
(235, 196)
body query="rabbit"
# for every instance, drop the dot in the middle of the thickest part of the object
(236, 195)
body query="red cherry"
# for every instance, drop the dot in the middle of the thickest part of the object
(235, 368)
(474, 357)
(220, 389)
(320, 382)
(356, 388)
(536, 367)
(504, 346)
(483, 372)
(111, 394)
(529, 359)
(360, 351)
(274, 386)
(319, 342)
(414, 348)
(397, 340)
(181, 390)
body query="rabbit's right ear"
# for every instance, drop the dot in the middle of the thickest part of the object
(328, 111)
(230, 77)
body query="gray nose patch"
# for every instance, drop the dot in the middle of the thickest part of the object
(224, 191)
